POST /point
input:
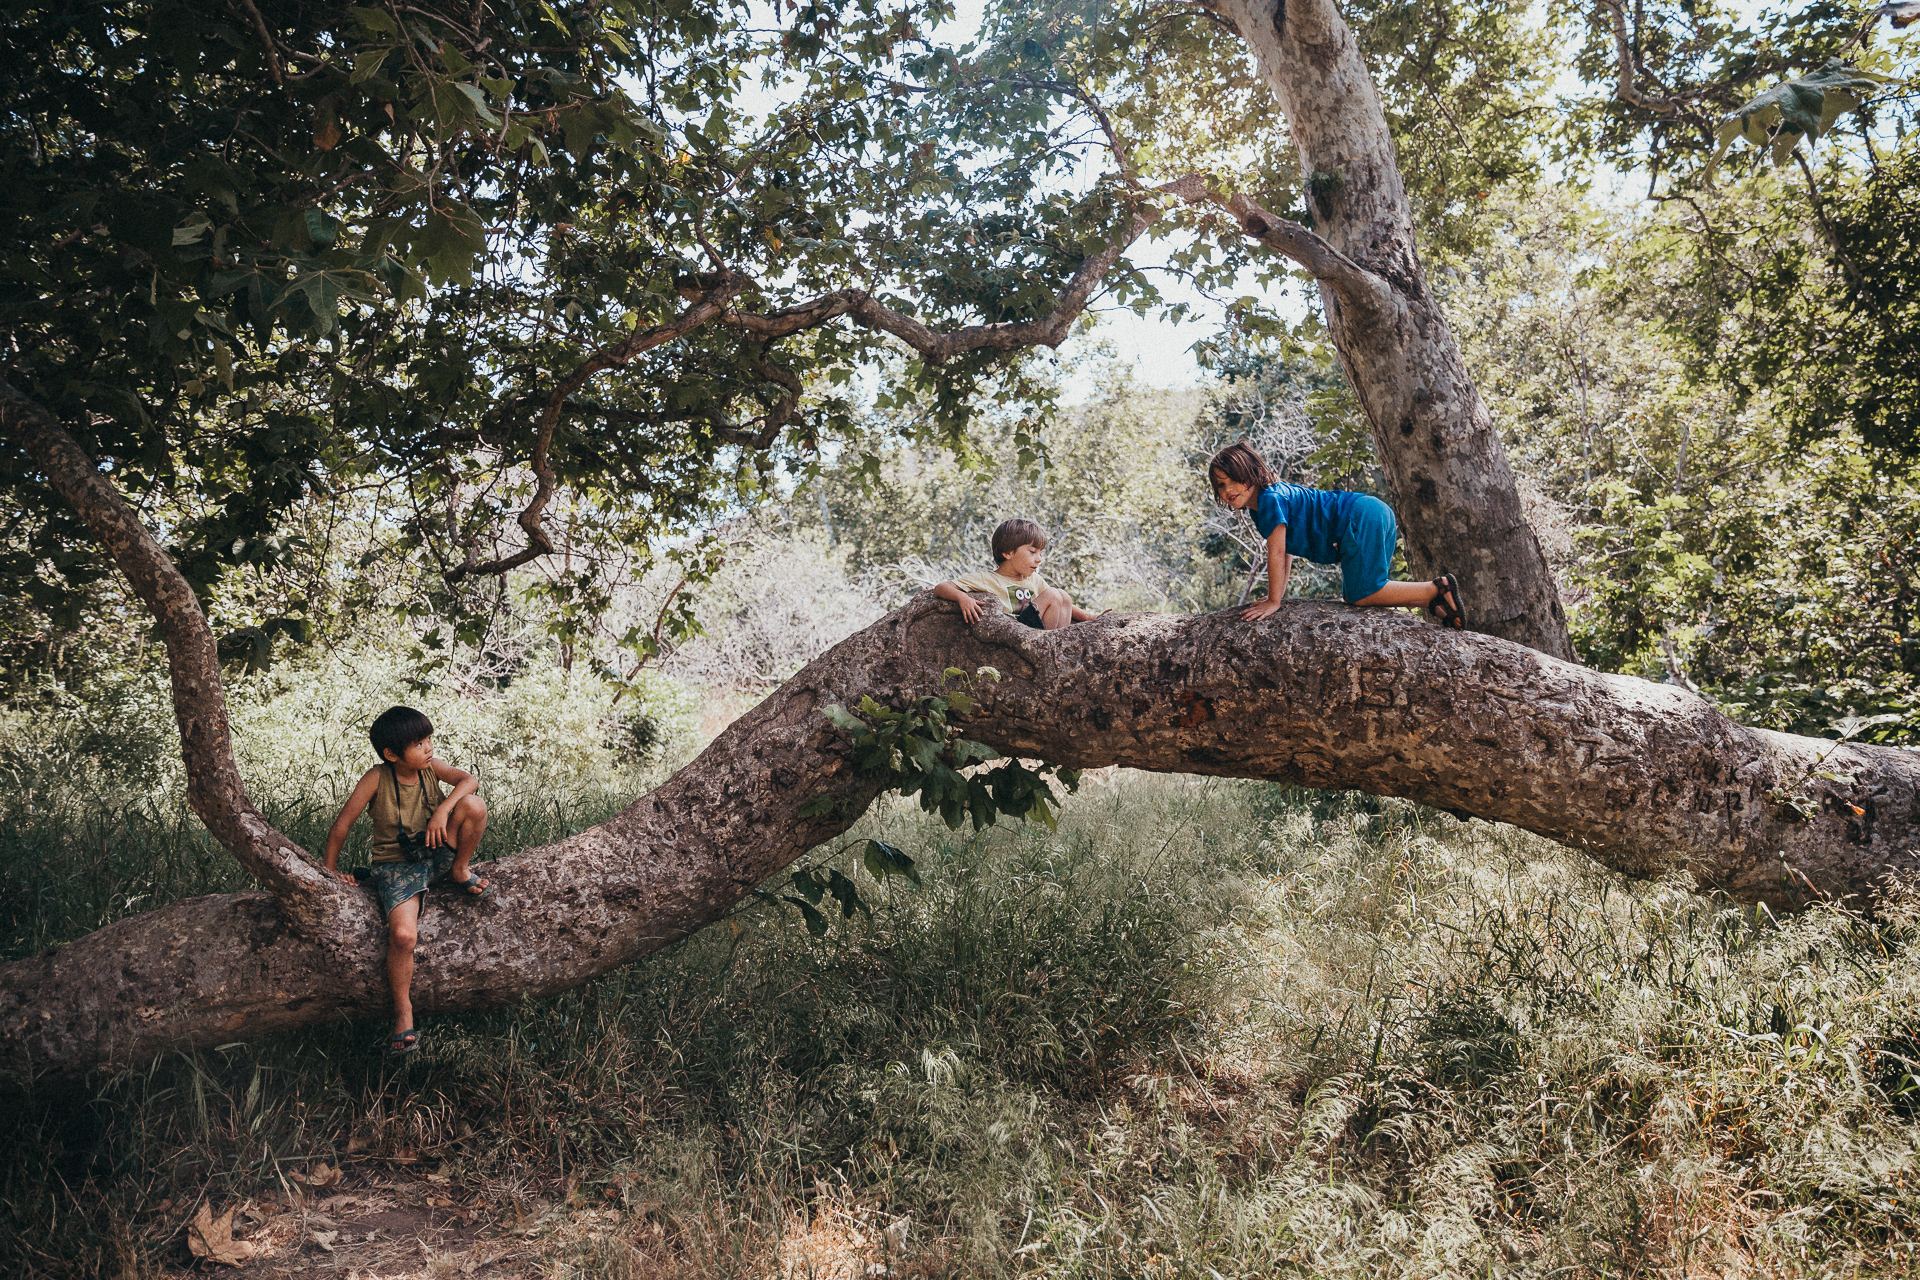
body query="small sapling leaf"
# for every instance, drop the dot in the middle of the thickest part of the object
(816, 921)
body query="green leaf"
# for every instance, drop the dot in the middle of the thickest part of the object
(885, 860)
(810, 888)
(321, 227)
(816, 922)
(847, 895)
(375, 19)
(191, 228)
(367, 63)
(842, 718)
(475, 95)
(1805, 107)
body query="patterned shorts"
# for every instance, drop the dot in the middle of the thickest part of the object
(396, 882)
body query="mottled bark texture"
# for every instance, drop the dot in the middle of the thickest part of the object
(1646, 778)
(1447, 469)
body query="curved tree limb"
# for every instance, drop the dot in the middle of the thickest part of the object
(716, 293)
(214, 788)
(1646, 778)
(1629, 90)
(711, 305)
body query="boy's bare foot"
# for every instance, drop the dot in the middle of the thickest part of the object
(475, 885)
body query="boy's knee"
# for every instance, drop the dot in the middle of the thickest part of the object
(402, 937)
(470, 809)
(1055, 596)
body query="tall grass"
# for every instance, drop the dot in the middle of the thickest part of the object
(1205, 1029)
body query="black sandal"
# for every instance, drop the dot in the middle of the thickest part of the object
(473, 885)
(401, 1043)
(1445, 605)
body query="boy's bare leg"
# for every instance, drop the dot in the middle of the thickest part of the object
(468, 822)
(1056, 608)
(403, 931)
(1412, 595)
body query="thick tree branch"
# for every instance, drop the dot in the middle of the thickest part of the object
(1629, 90)
(266, 41)
(1647, 778)
(214, 788)
(711, 305)
(1360, 289)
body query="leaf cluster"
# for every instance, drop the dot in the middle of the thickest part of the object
(918, 750)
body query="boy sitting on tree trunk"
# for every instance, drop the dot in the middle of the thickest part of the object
(419, 836)
(1016, 582)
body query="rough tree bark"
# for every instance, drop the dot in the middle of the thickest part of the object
(1447, 469)
(1647, 778)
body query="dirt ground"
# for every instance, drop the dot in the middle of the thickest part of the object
(388, 1221)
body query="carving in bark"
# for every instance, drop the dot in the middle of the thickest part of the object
(1646, 778)
(1446, 466)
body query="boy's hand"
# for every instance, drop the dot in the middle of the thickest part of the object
(1260, 609)
(344, 877)
(437, 830)
(970, 609)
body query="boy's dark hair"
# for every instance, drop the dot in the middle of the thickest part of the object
(1014, 534)
(1240, 464)
(398, 728)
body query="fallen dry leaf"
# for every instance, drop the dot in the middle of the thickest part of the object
(324, 1239)
(320, 1176)
(213, 1239)
(358, 1142)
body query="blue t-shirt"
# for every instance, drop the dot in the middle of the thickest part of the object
(1315, 519)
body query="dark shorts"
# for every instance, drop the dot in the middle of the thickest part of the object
(397, 882)
(1031, 616)
(1366, 547)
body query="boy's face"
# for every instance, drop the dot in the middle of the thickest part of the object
(417, 756)
(1232, 492)
(1021, 562)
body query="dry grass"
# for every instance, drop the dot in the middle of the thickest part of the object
(1208, 1029)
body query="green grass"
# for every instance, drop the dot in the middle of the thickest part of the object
(1205, 1029)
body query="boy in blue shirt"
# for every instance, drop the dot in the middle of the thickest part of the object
(1327, 526)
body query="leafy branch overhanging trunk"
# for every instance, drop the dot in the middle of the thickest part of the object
(1646, 778)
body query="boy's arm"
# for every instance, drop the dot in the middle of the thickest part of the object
(1278, 563)
(349, 814)
(1081, 615)
(969, 607)
(464, 784)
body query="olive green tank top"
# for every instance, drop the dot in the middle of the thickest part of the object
(394, 805)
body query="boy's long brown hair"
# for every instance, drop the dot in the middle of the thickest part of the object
(1240, 464)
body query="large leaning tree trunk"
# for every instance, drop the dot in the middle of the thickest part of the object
(1646, 778)
(1451, 484)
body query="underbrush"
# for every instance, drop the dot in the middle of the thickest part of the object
(1206, 1029)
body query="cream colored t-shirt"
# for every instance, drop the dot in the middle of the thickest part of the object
(1014, 594)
